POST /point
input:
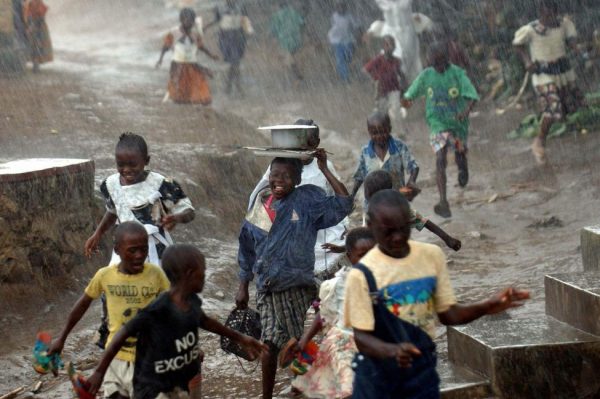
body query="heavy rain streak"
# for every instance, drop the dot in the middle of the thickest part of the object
(250, 152)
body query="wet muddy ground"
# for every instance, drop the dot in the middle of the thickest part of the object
(103, 82)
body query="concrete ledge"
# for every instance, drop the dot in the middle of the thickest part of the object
(28, 169)
(590, 248)
(531, 358)
(575, 299)
(461, 383)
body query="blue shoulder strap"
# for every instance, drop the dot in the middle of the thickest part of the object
(369, 276)
(387, 322)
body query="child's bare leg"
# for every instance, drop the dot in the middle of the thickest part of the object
(230, 76)
(442, 208)
(237, 78)
(537, 147)
(269, 371)
(463, 167)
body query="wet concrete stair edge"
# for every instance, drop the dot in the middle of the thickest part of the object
(552, 355)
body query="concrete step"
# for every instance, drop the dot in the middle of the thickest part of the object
(539, 357)
(575, 299)
(590, 248)
(460, 383)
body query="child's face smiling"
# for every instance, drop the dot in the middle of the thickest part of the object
(391, 229)
(281, 180)
(133, 250)
(379, 133)
(130, 165)
(360, 249)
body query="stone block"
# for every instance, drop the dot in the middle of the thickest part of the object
(460, 383)
(529, 358)
(47, 210)
(575, 299)
(590, 248)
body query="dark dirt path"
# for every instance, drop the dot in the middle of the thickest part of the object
(103, 83)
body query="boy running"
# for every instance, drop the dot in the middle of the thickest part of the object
(286, 27)
(167, 332)
(384, 152)
(277, 243)
(449, 98)
(552, 76)
(382, 180)
(386, 70)
(413, 285)
(129, 286)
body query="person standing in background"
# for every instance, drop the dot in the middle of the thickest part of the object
(341, 37)
(38, 35)
(234, 26)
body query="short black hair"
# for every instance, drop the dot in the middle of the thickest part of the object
(132, 141)
(438, 48)
(379, 118)
(295, 164)
(314, 133)
(391, 198)
(376, 181)
(389, 38)
(124, 228)
(187, 13)
(357, 234)
(179, 258)
(551, 5)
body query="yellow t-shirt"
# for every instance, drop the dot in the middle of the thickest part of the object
(414, 288)
(126, 294)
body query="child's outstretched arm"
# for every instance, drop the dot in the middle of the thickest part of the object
(253, 347)
(371, 346)
(462, 314)
(95, 380)
(81, 306)
(108, 220)
(450, 241)
(338, 187)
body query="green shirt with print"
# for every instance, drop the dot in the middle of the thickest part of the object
(446, 95)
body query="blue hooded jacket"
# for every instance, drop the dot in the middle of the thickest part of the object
(281, 254)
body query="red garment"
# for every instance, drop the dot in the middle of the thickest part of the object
(384, 70)
(270, 211)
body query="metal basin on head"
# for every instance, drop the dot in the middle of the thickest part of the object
(290, 137)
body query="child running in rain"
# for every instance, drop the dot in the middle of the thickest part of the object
(331, 374)
(187, 79)
(234, 26)
(382, 180)
(37, 33)
(129, 286)
(326, 262)
(135, 194)
(166, 332)
(286, 27)
(277, 243)
(386, 70)
(542, 45)
(449, 98)
(403, 285)
(386, 153)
